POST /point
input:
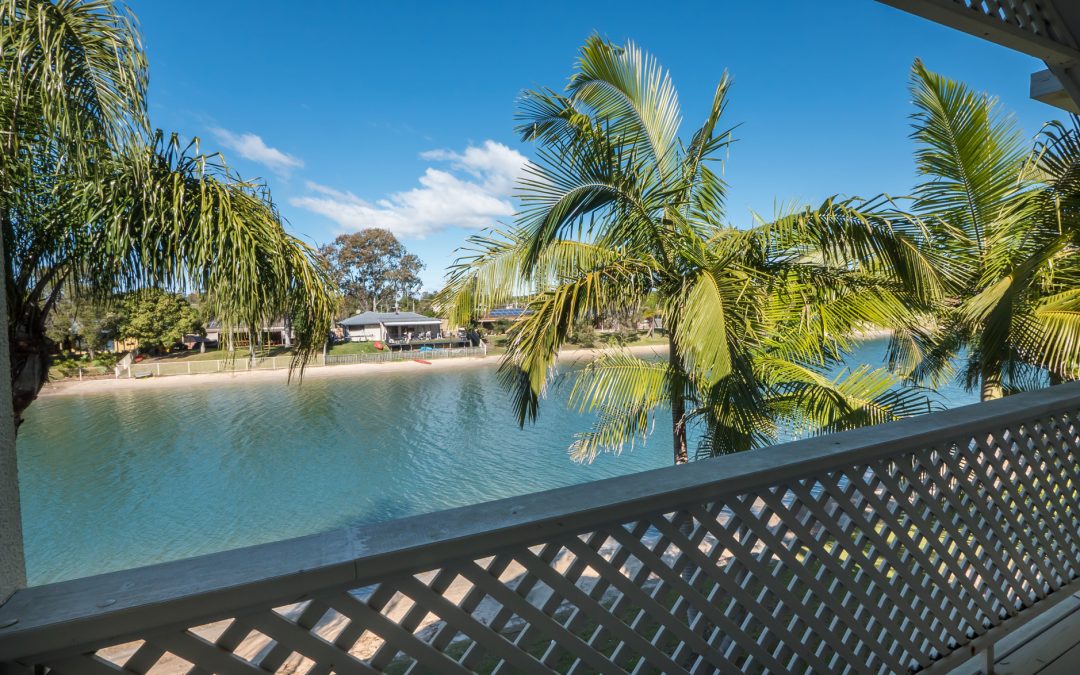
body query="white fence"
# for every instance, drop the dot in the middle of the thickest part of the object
(898, 548)
(193, 367)
(384, 357)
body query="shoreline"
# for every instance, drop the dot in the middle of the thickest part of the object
(281, 376)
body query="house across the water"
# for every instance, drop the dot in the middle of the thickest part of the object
(270, 333)
(511, 314)
(398, 329)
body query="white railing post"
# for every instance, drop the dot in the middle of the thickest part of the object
(12, 558)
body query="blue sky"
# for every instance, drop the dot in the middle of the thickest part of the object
(400, 114)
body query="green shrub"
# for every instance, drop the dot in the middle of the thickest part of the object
(583, 335)
(620, 338)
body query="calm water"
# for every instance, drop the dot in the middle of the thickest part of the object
(117, 480)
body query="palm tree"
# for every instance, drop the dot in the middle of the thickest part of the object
(618, 209)
(1003, 219)
(94, 203)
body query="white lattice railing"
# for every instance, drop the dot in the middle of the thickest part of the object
(907, 546)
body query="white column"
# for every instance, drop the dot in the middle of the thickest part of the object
(12, 561)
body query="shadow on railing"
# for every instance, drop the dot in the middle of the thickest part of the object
(889, 549)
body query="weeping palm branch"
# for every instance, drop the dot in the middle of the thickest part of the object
(94, 204)
(617, 211)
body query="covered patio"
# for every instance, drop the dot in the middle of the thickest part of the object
(401, 334)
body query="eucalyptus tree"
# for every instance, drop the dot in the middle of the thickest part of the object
(618, 209)
(372, 270)
(95, 203)
(1005, 224)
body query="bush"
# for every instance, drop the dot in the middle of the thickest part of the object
(621, 338)
(108, 359)
(583, 335)
(66, 365)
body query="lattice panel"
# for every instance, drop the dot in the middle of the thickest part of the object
(1023, 14)
(880, 566)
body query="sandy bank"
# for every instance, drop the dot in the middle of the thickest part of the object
(78, 388)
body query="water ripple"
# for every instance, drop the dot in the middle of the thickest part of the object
(116, 480)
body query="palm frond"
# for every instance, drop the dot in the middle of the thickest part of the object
(534, 341)
(625, 392)
(868, 235)
(700, 317)
(705, 190)
(78, 68)
(971, 152)
(485, 275)
(632, 96)
(168, 217)
(733, 414)
(815, 403)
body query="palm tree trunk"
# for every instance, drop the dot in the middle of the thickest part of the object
(29, 351)
(991, 386)
(678, 403)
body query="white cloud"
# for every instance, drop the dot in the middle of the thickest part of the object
(474, 194)
(251, 146)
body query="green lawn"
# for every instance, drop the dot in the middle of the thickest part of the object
(656, 339)
(353, 348)
(218, 355)
(241, 354)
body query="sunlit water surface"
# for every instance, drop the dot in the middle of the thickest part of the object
(121, 479)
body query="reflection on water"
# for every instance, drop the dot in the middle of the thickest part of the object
(122, 479)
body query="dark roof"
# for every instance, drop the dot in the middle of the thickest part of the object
(372, 318)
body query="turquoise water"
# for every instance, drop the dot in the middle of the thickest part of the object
(117, 480)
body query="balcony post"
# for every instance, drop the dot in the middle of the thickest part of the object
(12, 560)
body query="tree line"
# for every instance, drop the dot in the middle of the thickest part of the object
(156, 320)
(370, 270)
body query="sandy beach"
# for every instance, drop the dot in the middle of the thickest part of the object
(93, 386)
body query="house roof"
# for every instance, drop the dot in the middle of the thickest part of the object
(507, 313)
(276, 324)
(389, 318)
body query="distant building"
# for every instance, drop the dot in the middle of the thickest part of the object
(392, 327)
(196, 341)
(120, 345)
(276, 332)
(503, 314)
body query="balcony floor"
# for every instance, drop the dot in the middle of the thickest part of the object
(1048, 645)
